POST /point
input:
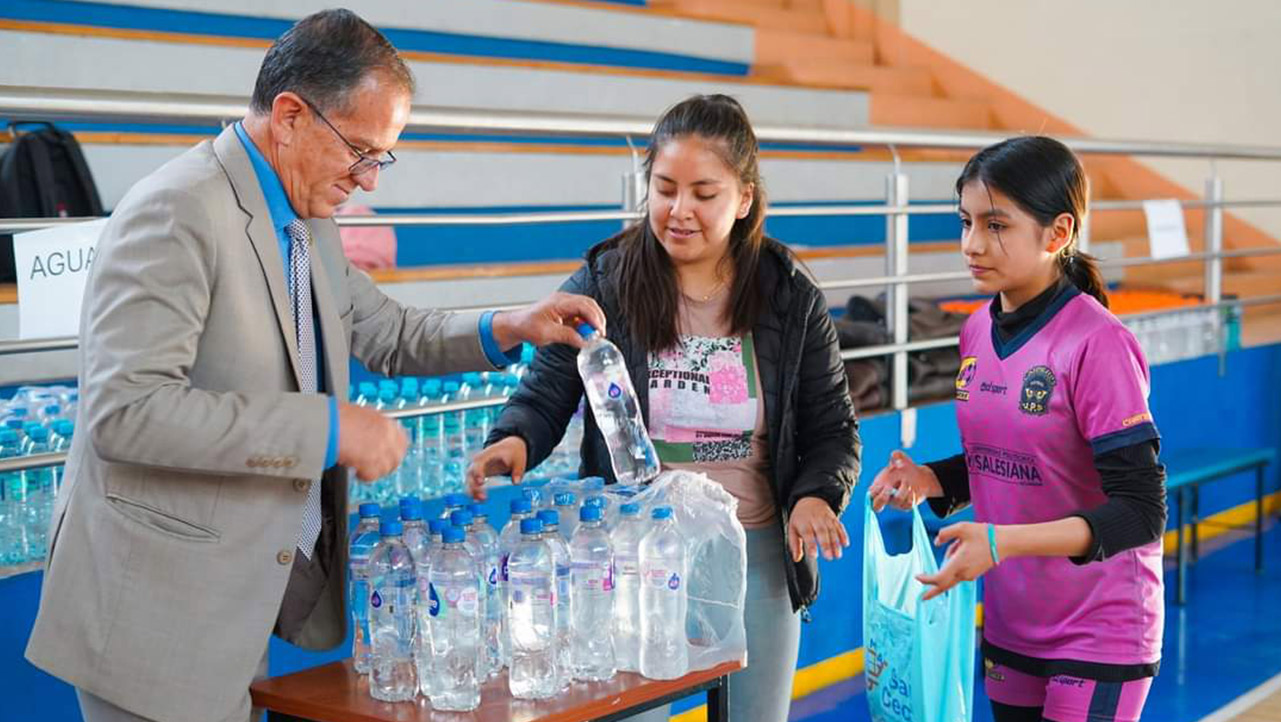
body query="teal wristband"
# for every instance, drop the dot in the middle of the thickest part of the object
(991, 543)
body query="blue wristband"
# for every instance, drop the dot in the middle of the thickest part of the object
(991, 543)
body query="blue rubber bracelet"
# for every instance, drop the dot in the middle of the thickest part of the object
(991, 543)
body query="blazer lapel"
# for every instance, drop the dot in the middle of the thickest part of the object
(331, 330)
(244, 182)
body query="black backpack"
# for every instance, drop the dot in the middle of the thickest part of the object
(42, 175)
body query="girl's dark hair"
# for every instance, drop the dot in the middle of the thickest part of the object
(648, 286)
(1046, 180)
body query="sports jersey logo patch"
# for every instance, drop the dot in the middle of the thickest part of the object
(1038, 387)
(969, 366)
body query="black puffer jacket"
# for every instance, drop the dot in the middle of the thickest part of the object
(813, 433)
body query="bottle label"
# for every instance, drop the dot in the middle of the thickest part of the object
(660, 578)
(594, 576)
(433, 601)
(626, 565)
(503, 568)
(461, 599)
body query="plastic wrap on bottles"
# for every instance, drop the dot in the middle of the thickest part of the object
(707, 516)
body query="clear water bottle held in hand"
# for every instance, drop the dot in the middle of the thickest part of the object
(361, 547)
(534, 672)
(664, 652)
(593, 598)
(561, 565)
(393, 676)
(613, 401)
(626, 539)
(454, 608)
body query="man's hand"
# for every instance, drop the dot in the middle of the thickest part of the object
(552, 320)
(369, 443)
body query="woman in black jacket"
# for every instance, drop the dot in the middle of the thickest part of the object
(737, 368)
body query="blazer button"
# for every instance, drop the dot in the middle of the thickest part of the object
(285, 558)
(301, 485)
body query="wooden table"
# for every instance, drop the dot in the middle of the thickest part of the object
(336, 693)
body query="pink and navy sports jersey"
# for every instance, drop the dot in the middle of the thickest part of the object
(1033, 412)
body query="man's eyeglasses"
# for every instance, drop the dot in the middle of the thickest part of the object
(365, 163)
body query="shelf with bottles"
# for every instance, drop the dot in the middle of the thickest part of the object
(34, 420)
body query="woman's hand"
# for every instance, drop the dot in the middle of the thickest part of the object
(507, 457)
(903, 484)
(814, 527)
(969, 557)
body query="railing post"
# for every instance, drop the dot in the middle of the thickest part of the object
(634, 188)
(1214, 263)
(896, 297)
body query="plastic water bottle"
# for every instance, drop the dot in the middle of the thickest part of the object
(476, 421)
(534, 672)
(454, 607)
(431, 439)
(415, 534)
(422, 648)
(393, 676)
(361, 544)
(13, 514)
(454, 465)
(613, 400)
(626, 539)
(40, 491)
(492, 624)
(564, 592)
(508, 540)
(567, 506)
(593, 598)
(664, 651)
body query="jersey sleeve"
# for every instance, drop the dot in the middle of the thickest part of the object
(1110, 391)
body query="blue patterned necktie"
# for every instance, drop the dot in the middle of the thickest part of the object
(305, 329)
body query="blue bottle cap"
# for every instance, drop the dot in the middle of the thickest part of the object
(589, 512)
(387, 395)
(370, 510)
(38, 434)
(472, 379)
(391, 527)
(8, 436)
(431, 387)
(451, 387)
(478, 511)
(549, 517)
(662, 512)
(629, 509)
(531, 526)
(461, 518)
(595, 501)
(437, 526)
(411, 509)
(521, 506)
(566, 499)
(52, 410)
(455, 535)
(527, 352)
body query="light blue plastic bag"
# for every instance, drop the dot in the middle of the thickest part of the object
(918, 656)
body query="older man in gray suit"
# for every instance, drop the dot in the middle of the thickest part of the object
(205, 508)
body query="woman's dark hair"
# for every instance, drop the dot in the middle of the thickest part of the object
(325, 56)
(1046, 180)
(648, 286)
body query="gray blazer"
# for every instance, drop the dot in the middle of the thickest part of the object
(174, 535)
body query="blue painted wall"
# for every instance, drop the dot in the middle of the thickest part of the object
(1192, 403)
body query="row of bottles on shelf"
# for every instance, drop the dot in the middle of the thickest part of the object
(36, 420)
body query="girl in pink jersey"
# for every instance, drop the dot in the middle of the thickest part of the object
(1060, 455)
